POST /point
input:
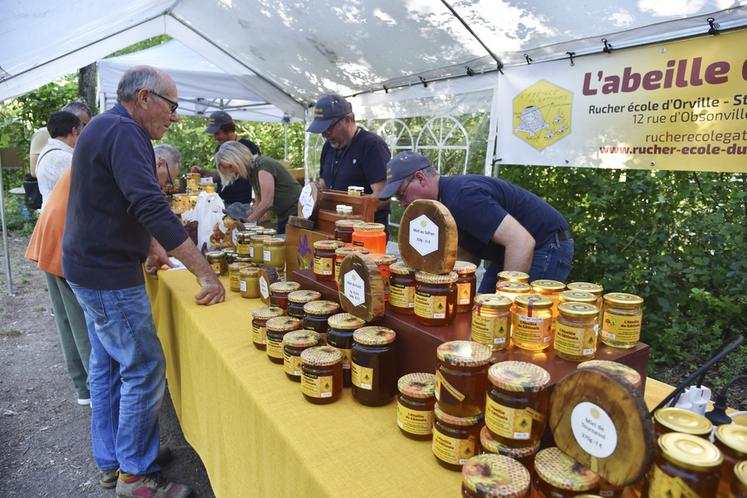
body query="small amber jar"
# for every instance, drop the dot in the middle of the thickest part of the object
(324, 259)
(455, 439)
(276, 330)
(525, 454)
(230, 255)
(374, 365)
(672, 419)
(217, 262)
(731, 439)
(256, 248)
(517, 403)
(279, 293)
(621, 320)
(739, 482)
(233, 277)
(340, 336)
(243, 243)
(401, 288)
(259, 324)
(531, 322)
(512, 289)
(560, 476)
(249, 282)
(341, 253)
(461, 379)
(415, 404)
(576, 331)
(383, 261)
(344, 231)
(316, 314)
(494, 476)
(513, 276)
(466, 285)
(371, 236)
(274, 253)
(435, 298)
(549, 288)
(297, 299)
(295, 343)
(491, 321)
(689, 462)
(627, 373)
(321, 374)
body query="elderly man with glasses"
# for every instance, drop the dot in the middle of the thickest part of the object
(168, 162)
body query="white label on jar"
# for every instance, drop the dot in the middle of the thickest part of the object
(242, 285)
(264, 288)
(593, 429)
(267, 256)
(355, 288)
(251, 251)
(234, 235)
(423, 235)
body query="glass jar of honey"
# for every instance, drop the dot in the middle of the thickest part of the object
(491, 321)
(672, 419)
(512, 289)
(594, 289)
(249, 282)
(739, 482)
(295, 343)
(573, 296)
(340, 336)
(324, 259)
(494, 476)
(560, 476)
(274, 253)
(461, 379)
(531, 322)
(455, 439)
(549, 288)
(576, 331)
(628, 374)
(401, 288)
(259, 324)
(279, 293)
(230, 255)
(374, 365)
(243, 243)
(276, 330)
(371, 236)
(685, 466)
(344, 231)
(242, 261)
(513, 276)
(731, 439)
(269, 231)
(435, 298)
(297, 299)
(256, 248)
(217, 262)
(524, 455)
(621, 320)
(316, 314)
(415, 404)
(341, 253)
(466, 285)
(321, 374)
(383, 261)
(233, 277)
(517, 403)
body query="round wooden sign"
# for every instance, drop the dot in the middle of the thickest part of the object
(600, 420)
(268, 275)
(361, 287)
(428, 237)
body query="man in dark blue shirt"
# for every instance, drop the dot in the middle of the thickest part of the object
(505, 225)
(223, 129)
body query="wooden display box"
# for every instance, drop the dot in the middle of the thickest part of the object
(299, 248)
(325, 212)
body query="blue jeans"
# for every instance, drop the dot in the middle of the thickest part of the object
(551, 261)
(125, 376)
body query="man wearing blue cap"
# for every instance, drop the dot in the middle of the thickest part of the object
(223, 129)
(351, 155)
(501, 223)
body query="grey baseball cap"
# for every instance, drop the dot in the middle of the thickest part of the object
(326, 110)
(400, 167)
(218, 119)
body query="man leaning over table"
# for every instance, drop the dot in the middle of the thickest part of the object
(118, 219)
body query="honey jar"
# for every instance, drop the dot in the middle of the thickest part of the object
(321, 374)
(242, 261)
(415, 404)
(341, 253)
(371, 236)
(217, 262)
(672, 419)
(401, 288)
(243, 243)
(271, 232)
(517, 403)
(576, 331)
(230, 255)
(686, 466)
(295, 343)
(491, 321)
(731, 439)
(739, 482)
(494, 476)
(594, 289)
(549, 288)
(316, 314)
(297, 299)
(621, 320)
(573, 296)
(374, 365)
(344, 231)
(324, 259)
(455, 439)
(383, 262)
(233, 277)
(461, 379)
(274, 253)
(466, 285)
(279, 293)
(560, 476)
(609, 490)
(525, 454)
(259, 324)
(276, 330)
(512, 289)
(249, 282)
(628, 374)
(340, 336)
(531, 322)
(256, 248)
(435, 298)
(513, 276)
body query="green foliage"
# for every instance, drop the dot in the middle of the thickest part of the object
(141, 45)
(13, 218)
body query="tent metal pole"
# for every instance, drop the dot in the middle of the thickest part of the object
(285, 130)
(474, 35)
(5, 235)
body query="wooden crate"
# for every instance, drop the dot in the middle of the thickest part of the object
(299, 248)
(325, 210)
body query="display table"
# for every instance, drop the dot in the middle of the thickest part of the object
(254, 431)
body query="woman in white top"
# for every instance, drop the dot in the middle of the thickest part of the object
(57, 155)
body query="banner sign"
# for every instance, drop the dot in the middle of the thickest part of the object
(677, 106)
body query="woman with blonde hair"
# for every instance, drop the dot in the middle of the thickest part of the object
(274, 187)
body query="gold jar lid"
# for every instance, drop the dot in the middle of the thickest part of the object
(493, 301)
(464, 353)
(399, 268)
(513, 287)
(740, 472)
(433, 278)
(250, 272)
(345, 223)
(578, 309)
(623, 299)
(452, 420)
(374, 335)
(535, 300)
(628, 373)
(274, 242)
(465, 268)
(576, 296)
(267, 312)
(489, 443)
(590, 287)
(269, 231)
(513, 276)
(495, 476)
(285, 287)
(385, 259)
(417, 385)
(559, 470)
(684, 421)
(329, 245)
(321, 308)
(303, 296)
(234, 267)
(518, 376)
(733, 436)
(345, 321)
(214, 255)
(301, 338)
(243, 260)
(368, 227)
(348, 250)
(283, 324)
(547, 285)
(258, 237)
(321, 356)
(689, 451)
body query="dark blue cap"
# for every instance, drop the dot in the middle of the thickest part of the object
(326, 110)
(218, 119)
(400, 167)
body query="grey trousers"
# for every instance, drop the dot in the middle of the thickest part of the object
(73, 332)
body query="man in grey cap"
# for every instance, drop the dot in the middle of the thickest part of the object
(351, 155)
(223, 129)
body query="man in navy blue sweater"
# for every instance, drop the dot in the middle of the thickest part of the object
(118, 219)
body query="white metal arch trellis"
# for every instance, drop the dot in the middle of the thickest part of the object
(440, 131)
(392, 131)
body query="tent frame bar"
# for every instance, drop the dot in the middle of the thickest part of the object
(474, 35)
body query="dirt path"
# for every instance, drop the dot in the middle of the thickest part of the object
(44, 434)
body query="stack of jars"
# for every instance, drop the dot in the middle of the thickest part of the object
(437, 298)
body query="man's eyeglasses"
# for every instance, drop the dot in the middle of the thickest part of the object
(173, 105)
(330, 127)
(401, 193)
